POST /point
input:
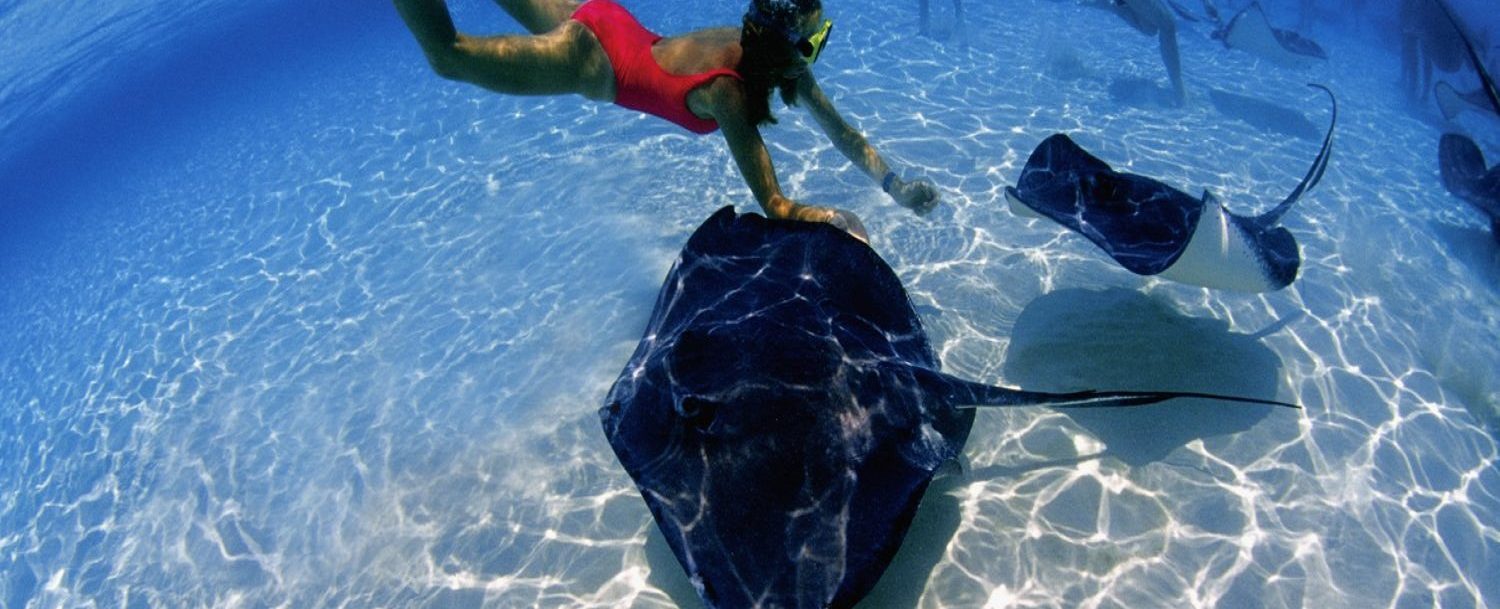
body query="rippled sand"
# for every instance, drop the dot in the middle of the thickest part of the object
(340, 342)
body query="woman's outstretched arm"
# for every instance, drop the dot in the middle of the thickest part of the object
(918, 195)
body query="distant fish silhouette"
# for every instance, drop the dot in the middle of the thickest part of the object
(1464, 174)
(1151, 228)
(784, 413)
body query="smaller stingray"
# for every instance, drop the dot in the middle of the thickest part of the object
(1488, 84)
(1464, 174)
(1250, 31)
(1453, 102)
(784, 413)
(1151, 228)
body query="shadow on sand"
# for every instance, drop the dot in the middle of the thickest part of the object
(1141, 93)
(1477, 249)
(1456, 351)
(1264, 115)
(1063, 341)
(1122, 339)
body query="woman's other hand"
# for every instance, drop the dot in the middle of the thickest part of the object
(918, 195)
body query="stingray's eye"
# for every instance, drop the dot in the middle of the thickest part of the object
(697, 412)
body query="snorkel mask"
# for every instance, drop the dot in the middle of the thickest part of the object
(809, 47)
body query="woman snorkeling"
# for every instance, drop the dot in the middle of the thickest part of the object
(713, 79)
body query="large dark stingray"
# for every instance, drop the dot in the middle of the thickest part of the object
(1151, 228)
(1462, 167)
(784, 413)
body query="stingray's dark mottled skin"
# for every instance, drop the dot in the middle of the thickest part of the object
(1140, 222)
(1464, 174)
(784, 413)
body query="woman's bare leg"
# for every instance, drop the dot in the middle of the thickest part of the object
(1169, 57)
(539, 16)
(566, 59)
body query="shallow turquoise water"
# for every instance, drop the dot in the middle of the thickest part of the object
(302, 325)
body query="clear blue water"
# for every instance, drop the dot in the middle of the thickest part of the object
(287, 321)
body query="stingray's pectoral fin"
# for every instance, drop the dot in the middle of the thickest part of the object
(1448, 100)
(1019, 206)
(966, 394)
(1460, 164)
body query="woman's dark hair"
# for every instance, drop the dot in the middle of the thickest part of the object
(766, 54)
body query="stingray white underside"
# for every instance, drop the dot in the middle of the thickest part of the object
(1219, 255)
(1251, 32)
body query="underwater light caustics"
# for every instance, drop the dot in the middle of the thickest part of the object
(1151, 228)
(784, 413)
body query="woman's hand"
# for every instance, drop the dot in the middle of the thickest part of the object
(918, 195)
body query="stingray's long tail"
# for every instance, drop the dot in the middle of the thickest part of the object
(968, 394)
(1314, 173)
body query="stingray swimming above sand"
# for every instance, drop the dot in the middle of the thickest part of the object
(785, 412)
(1251, 32)
(1488, 95)
(1151, 228)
